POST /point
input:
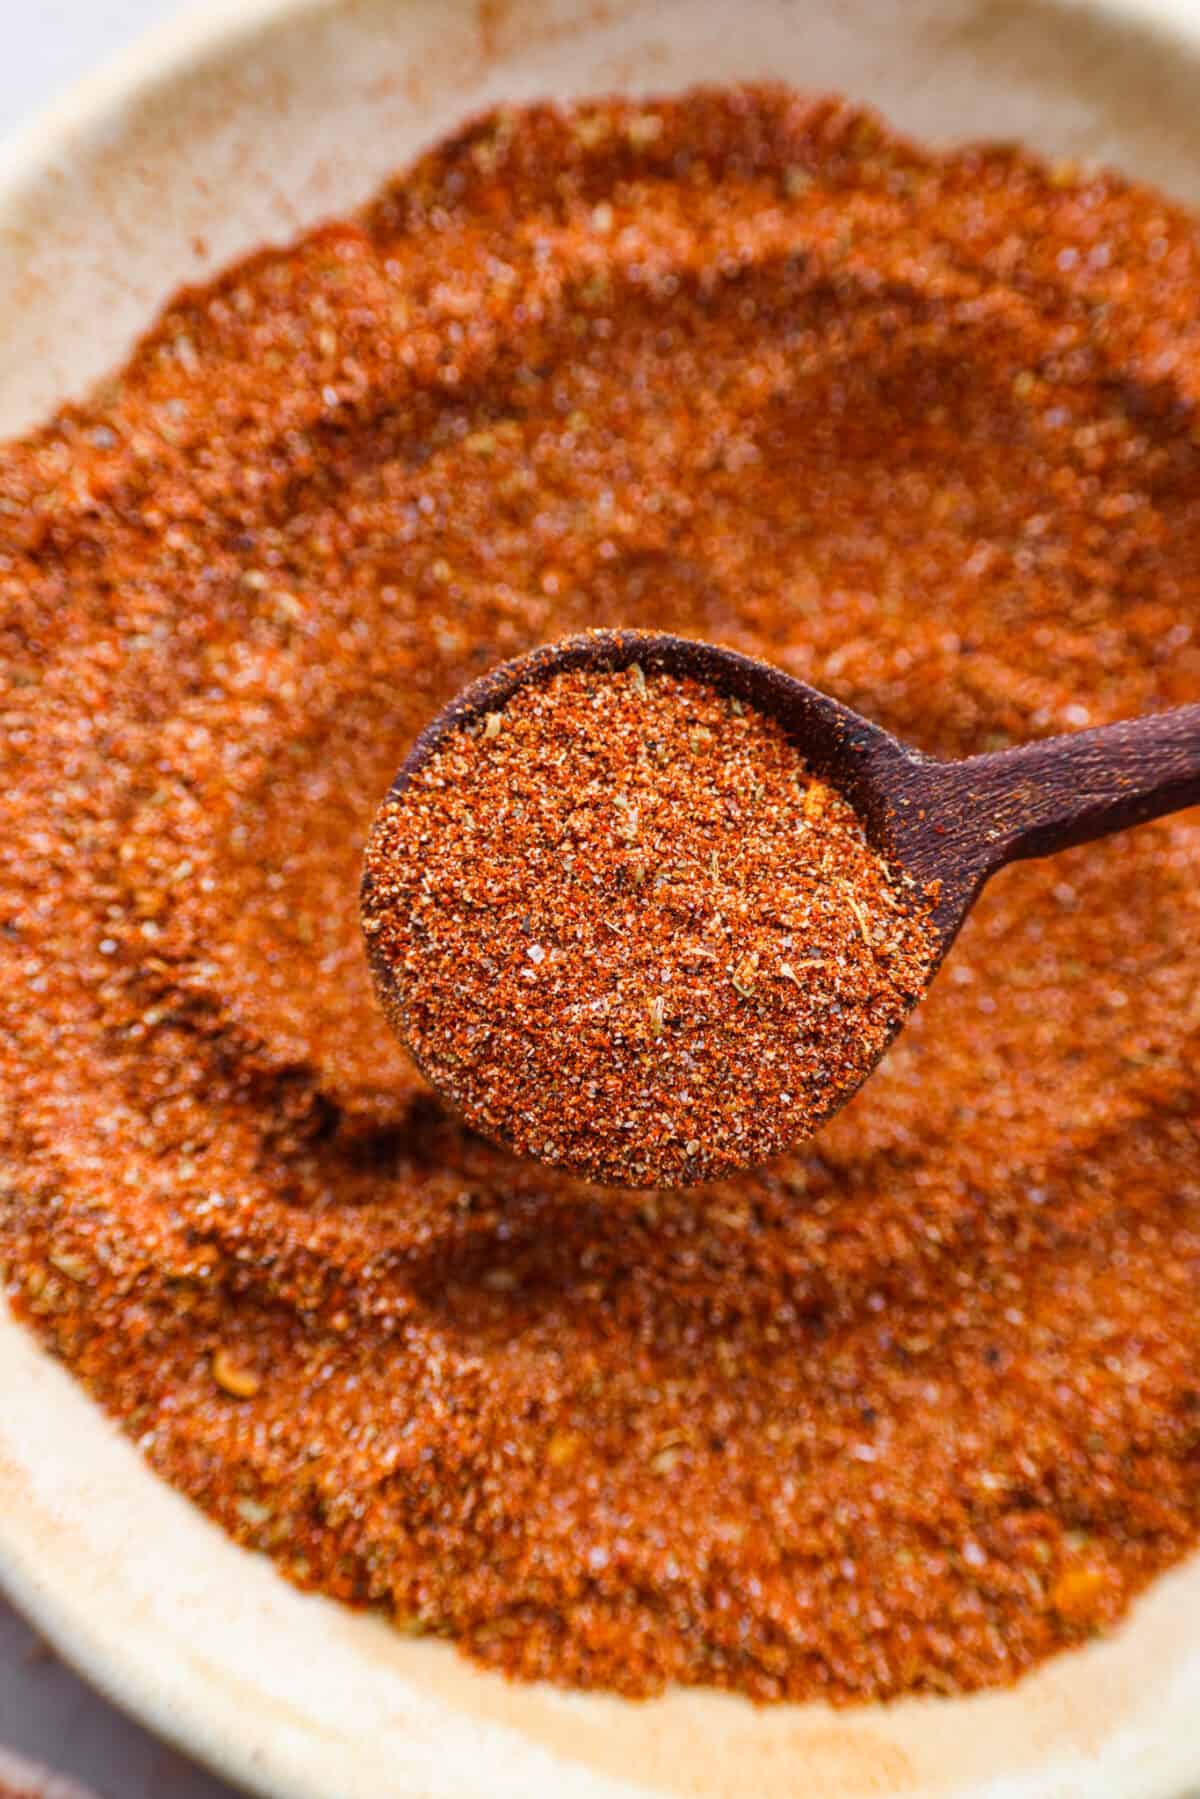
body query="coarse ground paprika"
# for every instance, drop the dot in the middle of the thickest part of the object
(906, 1411)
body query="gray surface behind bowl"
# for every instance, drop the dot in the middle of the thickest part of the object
(53, 42)
(48, 1714)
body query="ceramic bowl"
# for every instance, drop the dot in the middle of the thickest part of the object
(245, 123)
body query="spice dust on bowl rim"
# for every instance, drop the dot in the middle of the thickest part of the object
(243, 126)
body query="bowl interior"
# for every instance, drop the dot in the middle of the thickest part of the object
(245, 124)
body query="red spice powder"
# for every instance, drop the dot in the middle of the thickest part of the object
(908, 1410)
(623, 929)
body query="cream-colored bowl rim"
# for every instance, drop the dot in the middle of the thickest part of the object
(292, 1696)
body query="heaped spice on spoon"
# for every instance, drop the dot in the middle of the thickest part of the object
(908, 1410)
(625, 930)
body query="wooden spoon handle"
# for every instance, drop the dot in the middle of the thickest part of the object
(1049, 795)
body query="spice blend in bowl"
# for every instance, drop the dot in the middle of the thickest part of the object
(624, 930)
(906, 1411)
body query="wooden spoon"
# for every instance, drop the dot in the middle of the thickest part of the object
(954, 823)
